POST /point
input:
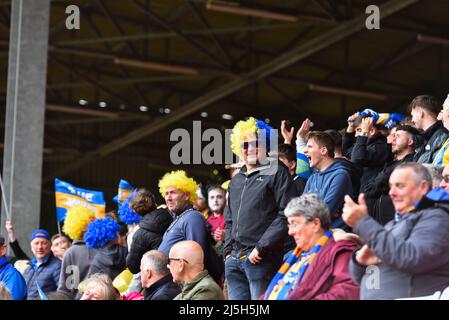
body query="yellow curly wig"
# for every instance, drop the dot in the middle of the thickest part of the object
(243, 130)
(179, 180)
(76, 221)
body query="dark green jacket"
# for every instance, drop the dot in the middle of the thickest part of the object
(202, 287)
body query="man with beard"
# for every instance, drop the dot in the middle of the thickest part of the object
(379, 203)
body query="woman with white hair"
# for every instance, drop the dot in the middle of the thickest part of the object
(318, 268)
(98, 287)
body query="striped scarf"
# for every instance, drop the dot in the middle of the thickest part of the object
(442, 157)
(292, 271)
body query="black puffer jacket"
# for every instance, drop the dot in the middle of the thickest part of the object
(434, 137)
(148, 236)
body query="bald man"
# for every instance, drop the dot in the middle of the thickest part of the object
(186, 266)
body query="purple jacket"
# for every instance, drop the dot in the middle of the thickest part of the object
(328, 278)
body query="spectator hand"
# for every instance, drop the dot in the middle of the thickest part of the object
(254, 256)
(287, 135)
(304, 130)
(367, 124)
(10, 229)
(351, 119)
(219, 235)
(353, 212)
(366, 257)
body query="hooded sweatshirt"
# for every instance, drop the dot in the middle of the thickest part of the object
(355, 173)
(331, 184)
(110, 259)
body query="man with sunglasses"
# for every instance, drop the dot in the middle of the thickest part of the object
(186, 264)
(255, 224)
(445, 180)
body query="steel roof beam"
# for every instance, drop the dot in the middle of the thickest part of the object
(295, 55)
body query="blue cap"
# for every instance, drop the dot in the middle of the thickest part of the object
(40, 233)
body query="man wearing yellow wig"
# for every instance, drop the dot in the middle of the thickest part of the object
(255, 224)
(179, 192)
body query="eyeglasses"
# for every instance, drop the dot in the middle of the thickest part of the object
(246, 144)
(296, 225)
(177, 259)
(446, 178)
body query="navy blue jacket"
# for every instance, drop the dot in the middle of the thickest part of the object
(189, 225)
(12, 280)
(163, 289)
(331, 184)
(46, 275)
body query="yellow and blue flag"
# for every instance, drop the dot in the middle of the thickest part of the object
(68, 196)
(124, 191)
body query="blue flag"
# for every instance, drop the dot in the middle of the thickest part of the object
(41, 293)
(124, 191)
(68, 196)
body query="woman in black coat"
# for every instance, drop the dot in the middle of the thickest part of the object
(151, 228)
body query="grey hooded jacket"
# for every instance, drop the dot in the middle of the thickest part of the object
(414, 254)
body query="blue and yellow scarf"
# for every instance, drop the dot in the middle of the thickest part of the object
(292, 271)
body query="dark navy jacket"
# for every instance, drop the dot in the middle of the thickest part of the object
(189, 225)
(46, 275)
(163, 289)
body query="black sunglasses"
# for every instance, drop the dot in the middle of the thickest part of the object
(254, 143)
(177, 259)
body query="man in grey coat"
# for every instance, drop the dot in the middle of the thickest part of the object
(409, 256)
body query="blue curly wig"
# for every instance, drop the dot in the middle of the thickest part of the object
(261, 125)
(126, 213)
(100, 232)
